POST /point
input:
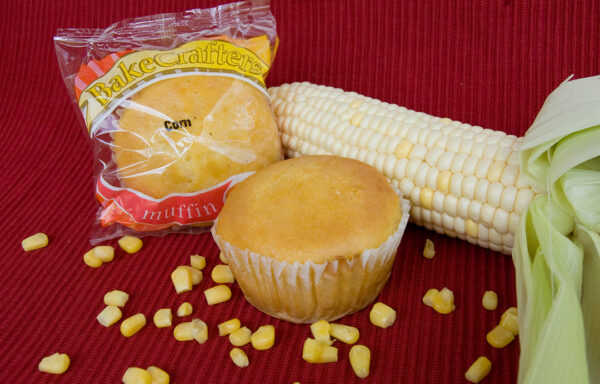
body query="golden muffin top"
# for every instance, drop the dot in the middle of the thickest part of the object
(312, 208)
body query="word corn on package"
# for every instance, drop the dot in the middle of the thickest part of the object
(177, 110)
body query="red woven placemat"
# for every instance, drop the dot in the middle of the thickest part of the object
(489, 63)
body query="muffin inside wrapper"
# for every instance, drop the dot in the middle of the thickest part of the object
(307, 292)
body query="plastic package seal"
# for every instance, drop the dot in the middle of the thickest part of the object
(176, 108)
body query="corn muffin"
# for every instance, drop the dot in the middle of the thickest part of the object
(189, 133)
(313, 237)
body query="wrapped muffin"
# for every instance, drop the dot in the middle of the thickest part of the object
(177, 110)
(312, 238)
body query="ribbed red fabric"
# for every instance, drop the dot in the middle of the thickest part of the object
(490, 63)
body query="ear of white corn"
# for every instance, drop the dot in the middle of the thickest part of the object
(462, 180)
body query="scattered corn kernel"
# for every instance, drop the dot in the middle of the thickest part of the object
(499, 337)
(240, 337)
(360, 359)
(133, 324)
(106, 253)
(91, 260)
(163, 318)
(239, 357)
(444, 301)
(199, 331)
(510, 321)
(183, 332)
(218, 294)
(328, 354)
(512, 310)
(478, 370)
(221, 274)
(182, 279)
(382, 316)
(37, 241)
(429, 295)
(158, 375)
(57, 363)
(320, 331)
(344, 333)
(130, 244)
(109, 315)
(196, 275)
(311, 351)
(490, 300)
(223, 258)
(263, 338)
(229, 326)
(135, 375)
(198, 262)
(429, 250)
(185, 309)
(116, 297)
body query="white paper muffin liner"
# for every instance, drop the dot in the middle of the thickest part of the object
(305, 292)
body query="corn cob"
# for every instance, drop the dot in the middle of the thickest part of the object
(462, 180)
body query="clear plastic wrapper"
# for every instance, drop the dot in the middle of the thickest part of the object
(176, 108)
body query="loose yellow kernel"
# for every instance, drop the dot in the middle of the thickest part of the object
(444, 301)
(489, 300)
(240, 337)
(116, 297)
(360, 359)
(182, 279)
(320, 331)
(109, 315)
(158, 375)
(263, 338)
(198, 262)
(199, 331)
(183, 332)
(106, 253)
(429, 250)
(382, 316)
(133, 324)
(499, 337)
(312, 350)
(221, 274)
(57, 363)
(130, 244)
(163, 318)
(33, 242)
(510, 321)
(196, 274)
(512, 310)
(344, 333)
(135, 375)
(239, 357)
(218, 294)
(429, 295)
(185, 309)
(223, 258)
(328, 354)
(478, 370)
(229, 326)
(91, 260)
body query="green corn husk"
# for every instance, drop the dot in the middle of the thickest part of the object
(557, 244)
